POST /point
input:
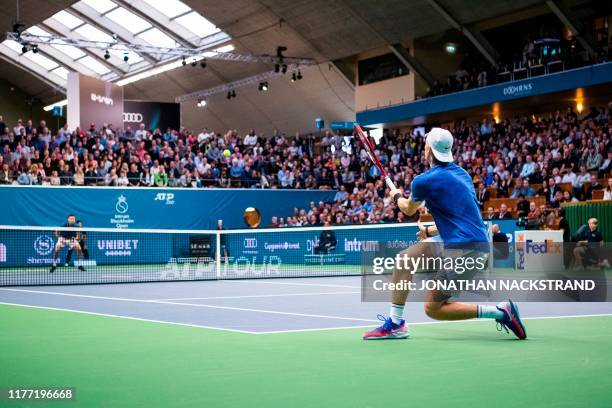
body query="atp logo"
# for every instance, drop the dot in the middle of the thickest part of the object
(43, 245)
(121, 206)
(167, 197)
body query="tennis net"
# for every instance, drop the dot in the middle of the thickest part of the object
(60, 256)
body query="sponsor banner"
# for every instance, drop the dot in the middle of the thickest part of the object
(150, 208)
(36, 248)
(539, 251)
(342, 246)
(154, 115)
(91, 100)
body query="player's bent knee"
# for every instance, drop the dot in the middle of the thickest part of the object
(432, 310)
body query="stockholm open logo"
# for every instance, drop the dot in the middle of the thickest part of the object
(43, 245)
(121, 206)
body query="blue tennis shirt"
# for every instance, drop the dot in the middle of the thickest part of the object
(449, 194)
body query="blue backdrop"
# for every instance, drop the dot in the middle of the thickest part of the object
(150, 208)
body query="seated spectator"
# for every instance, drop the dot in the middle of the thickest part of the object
(490, 213)
(6, 175)
(503, 213)
(607, 191)
(501, 248)
(327, 241)
(588, 244)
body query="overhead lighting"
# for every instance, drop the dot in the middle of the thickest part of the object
(203, 63)
(126, 57)
(284, 69)
(35, 49)
(263, 86)
(451, 48)
(201, 103)
(184, 62)
(293, 77)
(233, 93)
(277, 68)
(63, 102)
(299, 75)
(106, 55)
(194, 63)
(24, 49)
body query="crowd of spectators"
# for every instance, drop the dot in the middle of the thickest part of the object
(508, 158)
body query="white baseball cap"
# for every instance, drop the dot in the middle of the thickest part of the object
(441, 143)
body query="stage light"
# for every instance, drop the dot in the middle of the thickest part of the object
(263, 86)
(203, 63)
(201, 103)
(35, 49)
(276, 68)
(24, 49)
(284, 69)
(579, 107)
(106, 55)
(233, 93)
(194, 63)
(184, 62)
(451, 48)
(299, 75)
(229, 95)
(126, 57)
(293, 77)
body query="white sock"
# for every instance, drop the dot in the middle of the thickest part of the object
(396, 313)
(489, 312)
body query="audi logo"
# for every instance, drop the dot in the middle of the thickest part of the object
(250, 243)
(132, 117)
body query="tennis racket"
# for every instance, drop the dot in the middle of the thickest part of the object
(369, 148)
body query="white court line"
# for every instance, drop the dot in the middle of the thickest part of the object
(242, 309)
(286, 331)
(430, 322)
(129, 318)
(261, 296)
(259, 282)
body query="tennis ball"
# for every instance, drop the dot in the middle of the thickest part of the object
(227, 153)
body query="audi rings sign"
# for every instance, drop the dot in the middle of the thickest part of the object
(154, 115)
(129, 117)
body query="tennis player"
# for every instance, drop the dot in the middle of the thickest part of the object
(69, 239)
(449, 195)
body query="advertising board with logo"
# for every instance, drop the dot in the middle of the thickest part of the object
(297, 247)
(91, 100)
(539, 251)
(154, 115)
(23, 248)
(149, 208)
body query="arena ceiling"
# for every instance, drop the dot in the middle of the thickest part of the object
(320, 29)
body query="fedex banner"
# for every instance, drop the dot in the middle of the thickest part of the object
(539, 251)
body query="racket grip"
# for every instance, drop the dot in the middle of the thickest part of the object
(390, 183)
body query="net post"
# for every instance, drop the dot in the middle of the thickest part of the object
(218, 253)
